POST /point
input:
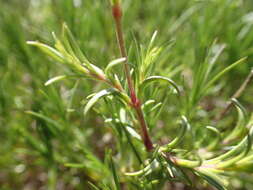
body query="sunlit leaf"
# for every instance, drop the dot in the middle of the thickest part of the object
(96, 97)
(55, 79)
(112, 64)
(48, 50)
(73, 43)
(152, 40)
(152, 79)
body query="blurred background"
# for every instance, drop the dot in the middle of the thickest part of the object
(33, 153)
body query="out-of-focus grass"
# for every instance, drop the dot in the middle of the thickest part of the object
(33, 152)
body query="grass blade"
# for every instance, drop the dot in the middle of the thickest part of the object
(220, 74)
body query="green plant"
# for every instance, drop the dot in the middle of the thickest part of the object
(129, 101)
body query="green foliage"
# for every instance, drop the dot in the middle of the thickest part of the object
(184, 73)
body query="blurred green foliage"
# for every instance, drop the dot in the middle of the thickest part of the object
(40, 148)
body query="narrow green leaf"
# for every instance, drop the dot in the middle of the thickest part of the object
(99, 72)
(220, 74)
(55, 79)
(151, 79)
(48, 50)
(52, 126)
(179, 138)
(217, 138)
(45, 118)
(212, 179)
(152, 41)
(215, 53)
(240, 108)
(134, 148)
(188, 163)
(240, 127)
(115, 175)
(93, 186)
(133, 133)
(245, 164)
(147, 104)
(143, 171)
(123, 97)
(112, 64)
(71, 59)
(154, 108)
(235, 150)
(234, 160)
(96, 97)
(67, 34)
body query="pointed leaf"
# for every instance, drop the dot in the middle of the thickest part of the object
(240, 127)
(73, 43)
(96, 97)
(151, 79)
(220, 74)
(48, 50)
(152, 40)
(216, 139)
(212, 179)
(113, 64)
(55, 79)
(180, 136)
(244, 144)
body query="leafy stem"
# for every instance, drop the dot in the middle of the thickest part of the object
(136, 103)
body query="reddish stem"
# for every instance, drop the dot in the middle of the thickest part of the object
(136, 103)
(117, 15)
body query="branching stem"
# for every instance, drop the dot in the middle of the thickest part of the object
(136, 104)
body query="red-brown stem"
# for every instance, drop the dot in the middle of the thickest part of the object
(117, 15)
(145, 135)
(136, 104)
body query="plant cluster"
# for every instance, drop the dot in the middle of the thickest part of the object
(208, 152)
